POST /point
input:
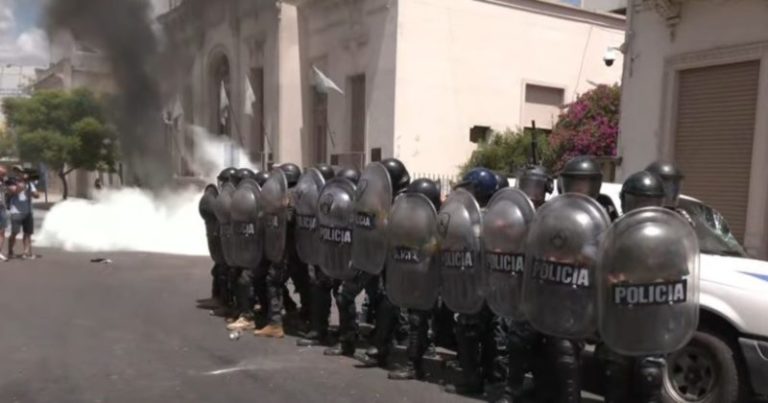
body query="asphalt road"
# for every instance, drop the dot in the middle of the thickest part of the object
(75, 331)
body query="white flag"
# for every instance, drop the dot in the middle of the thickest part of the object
(323, 83)
(223, 104)
(250, 97)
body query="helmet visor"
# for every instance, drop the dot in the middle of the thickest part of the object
(586, 185)
(671, 191)
(631, 202)
(535, 188)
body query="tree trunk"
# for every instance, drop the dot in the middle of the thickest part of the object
(65, 186)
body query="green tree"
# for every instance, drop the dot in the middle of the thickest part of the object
(64, 130)
(509, 151)
(7, 144)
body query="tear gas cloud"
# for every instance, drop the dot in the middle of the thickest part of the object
(132, 219)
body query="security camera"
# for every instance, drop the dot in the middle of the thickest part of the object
(610, 56)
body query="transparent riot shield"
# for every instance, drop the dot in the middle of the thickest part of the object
(505, 231)
(305, 196)
(212, 230)
(373, 201)
(224, 214)
(461, 275)
(246, 224)
(335, 217)
(559, 291)
(648, 283)
(413, 279)
(275, 202)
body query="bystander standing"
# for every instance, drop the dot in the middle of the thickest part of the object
(21, 191)
(4, 218)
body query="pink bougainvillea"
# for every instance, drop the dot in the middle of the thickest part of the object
(588, 126)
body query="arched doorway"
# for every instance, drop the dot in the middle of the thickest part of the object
(220, 95)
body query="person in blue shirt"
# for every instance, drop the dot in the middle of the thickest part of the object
(21, 191)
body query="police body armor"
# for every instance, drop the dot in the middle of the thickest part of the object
(305, 196)
(413, 280)
(335, 217)
(505, 230)
(275, 201)
(461, 275)
(648, 283)
(224, 215)
(247, 234)
(559, 292)
(212, 229)
(373, 201)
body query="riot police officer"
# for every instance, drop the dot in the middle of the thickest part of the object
(583, 175)
(672, 179)
(206, 209)
(386, 313)
(633, 379)
(524, 343)
(323, 287)
(418, 319)
(476, 345)
(288, 266)
(225, 276)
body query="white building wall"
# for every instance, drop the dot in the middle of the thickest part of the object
(708, 33)
(462, 63)
(344, 41)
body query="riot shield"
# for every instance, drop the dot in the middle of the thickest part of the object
(412, 279)
(212, 230)
(305, 201)
(373, 200)
(505, 230)
(335, 217)
(558, 286)
(247, 233)
(648, 283)
(275, 202)
(224, 215)
(461, 276)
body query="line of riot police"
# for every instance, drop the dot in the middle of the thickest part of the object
(540, 277)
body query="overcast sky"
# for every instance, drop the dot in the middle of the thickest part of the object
(22, 42)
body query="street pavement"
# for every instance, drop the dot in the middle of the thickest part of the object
(129, 331)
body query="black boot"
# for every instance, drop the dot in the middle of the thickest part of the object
(411, 370)
(311, 339)
(468, 339)
(345, 348)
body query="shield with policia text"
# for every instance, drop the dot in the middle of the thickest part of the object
(305, 195)
(505, 231)
(373, 201)
(247, 235)
(461, 275)
(559, 292)
(648, 283)
(335, 216)
(412, 279)
(223, 211)
(207, 208)
(275, 203)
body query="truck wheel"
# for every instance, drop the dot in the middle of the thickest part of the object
(706, 370)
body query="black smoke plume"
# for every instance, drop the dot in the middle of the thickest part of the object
(122, 31)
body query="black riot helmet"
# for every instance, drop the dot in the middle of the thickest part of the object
(325, 170)
(535, 182)
(207, 201)
(502, 181)
(641, 189)
(481, 182)
(226, 175)
(428, 188)
(582, 175)
(351, 174)
(261, 177)
(672, 178)
(398, 174)
(245, 173)
(292, 173)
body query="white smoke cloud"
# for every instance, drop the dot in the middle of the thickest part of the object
(132, 219)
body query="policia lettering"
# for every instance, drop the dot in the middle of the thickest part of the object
(306, 222)
(246, 229)
(404, 254)
(560, 274)
(651, 294)
(506, 262)
(460, 259)
(335, 235)
(365, 220)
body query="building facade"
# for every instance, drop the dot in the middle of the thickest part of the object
(228, 50)
(418, 75)
(695, 79)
